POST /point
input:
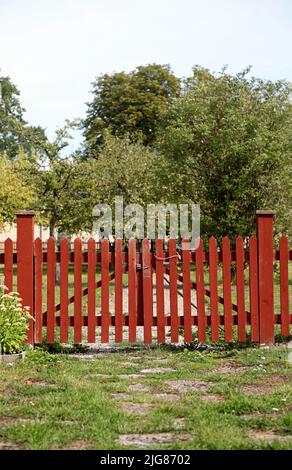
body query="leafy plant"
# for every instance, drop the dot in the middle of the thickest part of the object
(14, 321)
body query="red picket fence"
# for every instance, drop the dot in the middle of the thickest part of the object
(148, 293)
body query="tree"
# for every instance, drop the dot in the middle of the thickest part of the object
(15, 194)
(129, 104)
(15, 134)
(127, 169)
(60, 182)
(231, 137)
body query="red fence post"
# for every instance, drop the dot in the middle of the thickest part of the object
(25, 277)
(265, 275)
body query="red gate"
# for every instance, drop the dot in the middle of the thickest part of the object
(150, 294)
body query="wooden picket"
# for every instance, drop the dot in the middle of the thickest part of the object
(170, 268)
(214, 289)
(200, 292)
(119, 291)
(173, 290)
(160, 303)
(51, 269)
(284, 286)
(64, 305)
(240, 290)
(187, 309)
(132, 298)
(38, 251)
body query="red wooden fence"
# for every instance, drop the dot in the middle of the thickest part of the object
(164, 294)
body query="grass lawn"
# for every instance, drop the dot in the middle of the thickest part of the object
(154, 398)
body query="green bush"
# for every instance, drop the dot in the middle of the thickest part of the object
(14, 321)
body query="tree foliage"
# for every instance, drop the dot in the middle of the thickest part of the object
(15, 194)
(231, 137)
(129, 104)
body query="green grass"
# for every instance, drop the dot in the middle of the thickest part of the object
(80, 407)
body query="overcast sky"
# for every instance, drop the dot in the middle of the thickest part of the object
(53, 49)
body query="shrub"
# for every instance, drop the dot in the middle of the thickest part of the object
(14, 321)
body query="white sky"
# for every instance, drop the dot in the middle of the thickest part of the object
(53, 49)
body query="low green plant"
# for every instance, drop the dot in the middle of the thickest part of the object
(14, 322)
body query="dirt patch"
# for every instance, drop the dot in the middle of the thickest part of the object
(137, 387)
(137, 407)
(121, 396)
(146, 440)
(184, 386)
(6, 445)
(167, 396)
(270, 436)
(78, 444)
(262, 388)
(157, 370)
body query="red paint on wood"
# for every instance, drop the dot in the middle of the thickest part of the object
(147, 291)
(160, 291)
(38, 273)
(266, 276)
(226, 270)
(64, 259)
(51, 273)
(173, 289)
(77, 291)
(284, 286)
(200, 286)
(8, 264)
(91, 280)
(105, 318)
(132, 301)
(118, 291)
(253, 289)
(139, 291)
(240, 289)
(25, 269)
(213, 289)
(186, 259)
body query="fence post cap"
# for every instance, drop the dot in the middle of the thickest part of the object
(270, 213)
(25, 213)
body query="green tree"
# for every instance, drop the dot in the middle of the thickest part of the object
(127, 169)
(15, 194)
(15, 134)
(129, 104)
(60, 181)
(230, 138)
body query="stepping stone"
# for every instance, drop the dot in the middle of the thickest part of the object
(212, 397)
(167, 396)
(137, 387)
(147, 440)
(6, 445)
(184, 386)
(137, 407)
(158, 370)
(130, 376)
(270, 436)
